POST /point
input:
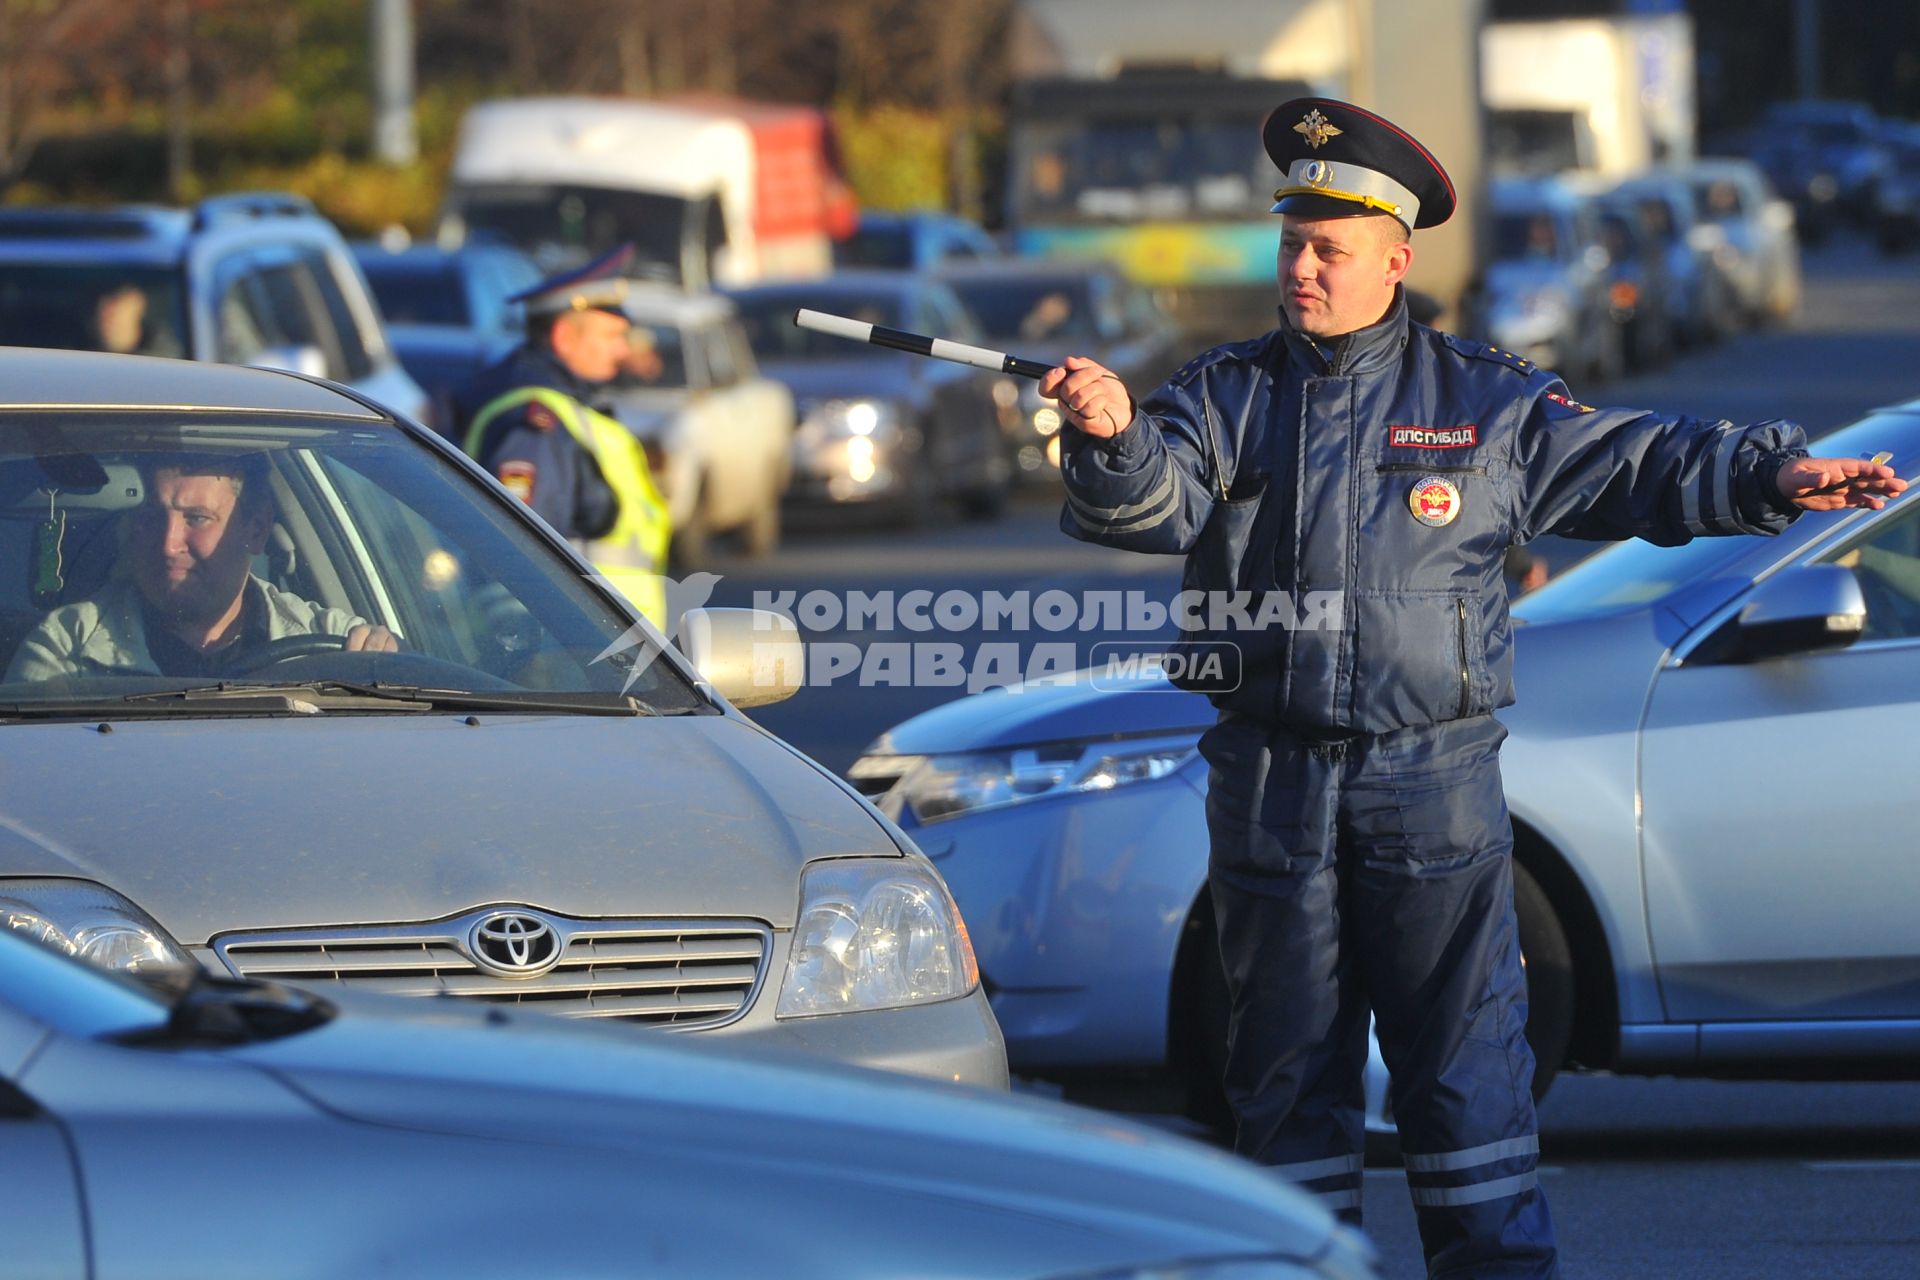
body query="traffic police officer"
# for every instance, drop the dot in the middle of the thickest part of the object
(1361, 851)
(528, 420)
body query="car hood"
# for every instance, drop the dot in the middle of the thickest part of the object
(1049, 712)
(832, 1136)
(883, 375)
(214, 825)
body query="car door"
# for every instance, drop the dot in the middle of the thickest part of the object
(40, 1212)
(1777, 815)
(735, 428)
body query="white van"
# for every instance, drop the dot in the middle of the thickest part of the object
(719, 193)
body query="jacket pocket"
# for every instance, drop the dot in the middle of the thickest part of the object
(1419, 659)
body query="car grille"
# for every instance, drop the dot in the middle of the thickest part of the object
(686, 974)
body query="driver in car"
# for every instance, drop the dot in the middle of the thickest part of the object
(184, 600)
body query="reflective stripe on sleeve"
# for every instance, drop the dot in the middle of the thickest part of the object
(1474, 1193)
(1336, 1200)
(1162, 497)
(1446, 1161)
(1731, 438)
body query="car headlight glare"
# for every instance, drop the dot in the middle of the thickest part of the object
(875, 933)
(91, 922)
(936, 787)
(828, 420)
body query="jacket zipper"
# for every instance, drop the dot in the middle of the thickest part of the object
(1388, 468)
(1466, 678)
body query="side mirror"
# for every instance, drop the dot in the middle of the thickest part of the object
(1805, 609)
(750, 656)
(292, 358)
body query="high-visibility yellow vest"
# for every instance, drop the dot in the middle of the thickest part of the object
(633, 554)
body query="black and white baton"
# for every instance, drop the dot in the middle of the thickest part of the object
(939, 348)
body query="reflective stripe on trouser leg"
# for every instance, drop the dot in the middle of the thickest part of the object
(1436, 939)
(1298, 1030)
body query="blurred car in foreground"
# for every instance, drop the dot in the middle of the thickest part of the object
(1749, 231)
(258, 279)
(535, 800)
(912, 241)
(1683, 715)
(879, 428)
(376, 1137)
(1546, 287)
(1041, 310)
(446, 310)
(718, 434)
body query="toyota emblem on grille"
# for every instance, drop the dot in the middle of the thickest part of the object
(515, 943)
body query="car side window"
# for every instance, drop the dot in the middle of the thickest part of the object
(719, 356)
(1886, 560)
(739, 350)
(244, 320)
(355, 360)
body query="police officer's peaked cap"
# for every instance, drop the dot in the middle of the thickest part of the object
(1339, 160)
(601, 285)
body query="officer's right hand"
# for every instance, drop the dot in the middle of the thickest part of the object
(1091, 396)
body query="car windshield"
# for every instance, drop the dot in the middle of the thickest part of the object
(419, 293)
(567, 225)
(156, 554)
(1520, 236)
(131, 310)
(771, 332)
(1031, 310)
(875, 246)
(1167, 166)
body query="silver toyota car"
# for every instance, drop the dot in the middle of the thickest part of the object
(292, 689)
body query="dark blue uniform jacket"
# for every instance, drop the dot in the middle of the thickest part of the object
(568, 490)
(1282, 465)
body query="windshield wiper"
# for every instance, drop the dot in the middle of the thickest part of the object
(316, 697)
(331, 695)
(209, 1010)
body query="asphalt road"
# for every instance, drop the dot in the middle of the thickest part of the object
(1646, 1177)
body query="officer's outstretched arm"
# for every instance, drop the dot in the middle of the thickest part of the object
(1626, 473)
(1149, 484)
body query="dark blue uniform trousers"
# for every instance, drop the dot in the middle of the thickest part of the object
(1377, 872)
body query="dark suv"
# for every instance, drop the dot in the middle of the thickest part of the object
(242, 279)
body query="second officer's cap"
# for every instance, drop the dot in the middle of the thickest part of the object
(1339, 160)
(601, 285)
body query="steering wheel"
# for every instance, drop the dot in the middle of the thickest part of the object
(287, 648)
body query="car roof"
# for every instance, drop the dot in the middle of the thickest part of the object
(1025, 269)
(671, 306)
(858, 280)
(34, 378)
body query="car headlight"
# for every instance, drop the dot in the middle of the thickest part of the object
(827, 420)
(90, 921)
(875, 933)
(936, 787)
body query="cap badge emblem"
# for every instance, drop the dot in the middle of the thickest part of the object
(1318, 173)
(1316, 129)
(1434, 501)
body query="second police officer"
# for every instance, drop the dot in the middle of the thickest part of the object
(529, 420)
(1361, 849)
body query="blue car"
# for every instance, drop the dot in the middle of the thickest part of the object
(446, 309)
(913, 242)
(1708, 777)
